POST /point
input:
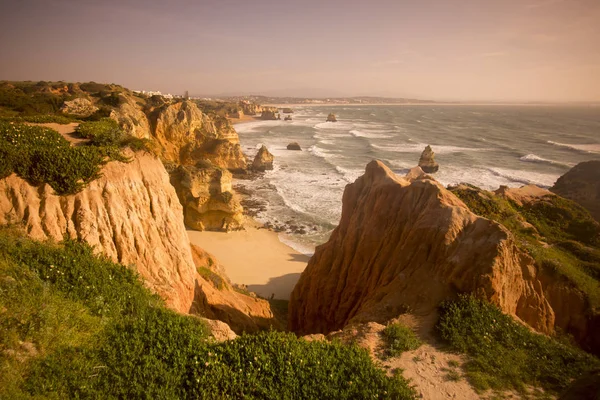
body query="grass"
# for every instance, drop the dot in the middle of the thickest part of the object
(215, 279)
(504, 354)
(398, 339)
(75, 325)
(565, 239)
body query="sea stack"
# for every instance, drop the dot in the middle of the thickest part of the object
(263, 160)
(427, 161)
(331, 118)
(293, 146)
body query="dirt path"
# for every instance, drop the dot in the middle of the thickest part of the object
(66, 130)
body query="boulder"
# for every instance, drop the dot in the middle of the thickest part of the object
(263, 160)
(582, 185)
(409, 244)
(79, 107)
(287, 110)
(269, 115)
(294, 146)
(331, 118)
(427, 161)
(207, 198)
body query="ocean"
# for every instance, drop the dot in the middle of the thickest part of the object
(486, 146)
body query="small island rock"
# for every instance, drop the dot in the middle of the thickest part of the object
(331, 118)
(293, 146)
(427, 161)
(263, 160)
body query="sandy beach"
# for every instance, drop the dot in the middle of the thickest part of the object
(256, 258)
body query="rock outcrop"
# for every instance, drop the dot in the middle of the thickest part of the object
(582, 185)
(80, 107)
(269, 115)
(331, 118)
(408, 245)
(217, 299)
(263, 160)
(427, 161)
(207, 198)
(293, 146)
(287, 110)
(131, 214)
(131, 118)
(185, 135)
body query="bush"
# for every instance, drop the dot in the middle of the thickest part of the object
(105, 132)
(398, 339)
(42, 155)
(504, 354)
(272, 365)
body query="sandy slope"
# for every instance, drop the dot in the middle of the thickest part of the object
(256, 258)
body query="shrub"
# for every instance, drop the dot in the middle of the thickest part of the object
(42, 155)
(105, 132)
(272, 365)
(504, 354)
(398, 339)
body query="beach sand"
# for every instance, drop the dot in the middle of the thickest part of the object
(256, 258)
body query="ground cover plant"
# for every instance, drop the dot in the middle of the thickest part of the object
(398, 339)
(75, 325)
(504, 354)
(559, 234)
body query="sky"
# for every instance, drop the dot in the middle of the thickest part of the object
(468, 50)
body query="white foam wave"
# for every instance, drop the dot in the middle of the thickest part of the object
(363, 134)
(319, 152)
(334, 126)
(299, 247)
(526, 177)
(584, 148)
(419, 147)
(350, 175)
(537, 159)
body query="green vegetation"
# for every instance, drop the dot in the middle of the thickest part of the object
(559, 234)
(74, 325)
(504, 354)
(217, 280)
(42, 155)
(398, 339)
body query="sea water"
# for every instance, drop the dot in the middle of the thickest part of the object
(486, 146)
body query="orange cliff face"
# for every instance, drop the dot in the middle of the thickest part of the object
(133, 216)
(407, 244)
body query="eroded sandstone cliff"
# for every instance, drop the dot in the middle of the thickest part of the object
(406, 245)
(132, 215)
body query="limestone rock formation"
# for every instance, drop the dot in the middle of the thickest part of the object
(131, 214)
(269, 115)
(207, 198)
(294, 146)
(219, 330)
(80, 107)
(331, 118)
(582, 185)
(427, 161)
(131, 118)
(185, 135)
(263, 160)
(408, 245)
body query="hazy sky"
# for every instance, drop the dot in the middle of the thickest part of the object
(433, 49)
